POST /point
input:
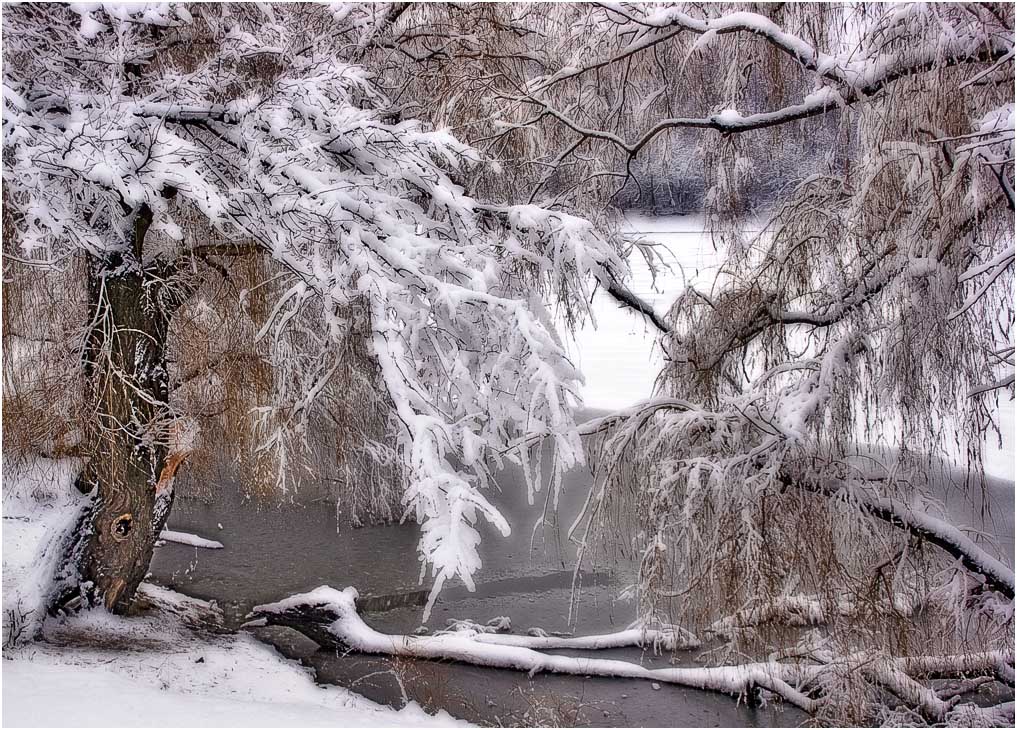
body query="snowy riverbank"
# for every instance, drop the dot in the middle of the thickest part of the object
(164, 667)
(100, 671)
(169, 666)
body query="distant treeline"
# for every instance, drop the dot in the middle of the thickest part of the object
(690, 174)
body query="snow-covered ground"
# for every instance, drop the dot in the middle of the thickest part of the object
(619, 356)
(156, 672)
(167, 667)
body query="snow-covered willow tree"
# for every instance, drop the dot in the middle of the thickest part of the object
(149, 149)
(875, 308)
(152, 150)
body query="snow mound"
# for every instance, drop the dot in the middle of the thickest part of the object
(40, 509)
(157, 671)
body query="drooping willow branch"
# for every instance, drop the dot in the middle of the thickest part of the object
(859, 82)
(935, 531)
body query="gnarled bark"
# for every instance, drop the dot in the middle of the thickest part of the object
(130, 467)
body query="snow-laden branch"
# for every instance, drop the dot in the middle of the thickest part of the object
(953, 541)
(890, 270)
(791, 610)
(637, 413)
(622, 427)
(731, 121)
(307, 164)
(848, 78)
(658, 26)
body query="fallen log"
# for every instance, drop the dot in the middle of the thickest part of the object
(329, 617)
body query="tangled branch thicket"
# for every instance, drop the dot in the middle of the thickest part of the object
(158, 166)
(875, 308)
(876, 142)
(239, 366)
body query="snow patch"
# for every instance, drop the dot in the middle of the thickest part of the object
(40, 509)
(186, 538)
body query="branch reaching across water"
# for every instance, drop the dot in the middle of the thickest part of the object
(330, 618)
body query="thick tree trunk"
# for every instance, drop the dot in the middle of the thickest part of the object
(129, 468)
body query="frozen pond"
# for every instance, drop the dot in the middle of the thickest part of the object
(275, 551)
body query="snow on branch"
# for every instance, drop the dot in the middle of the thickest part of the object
(330, 618)
(734, 22)
(953, 541)
(664, 639)
(853, 76)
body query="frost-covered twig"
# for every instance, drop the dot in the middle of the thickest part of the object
(791, 610)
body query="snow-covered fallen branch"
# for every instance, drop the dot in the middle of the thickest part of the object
(330, 618)
(671, 638)
(666, 640)
(186, 538)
